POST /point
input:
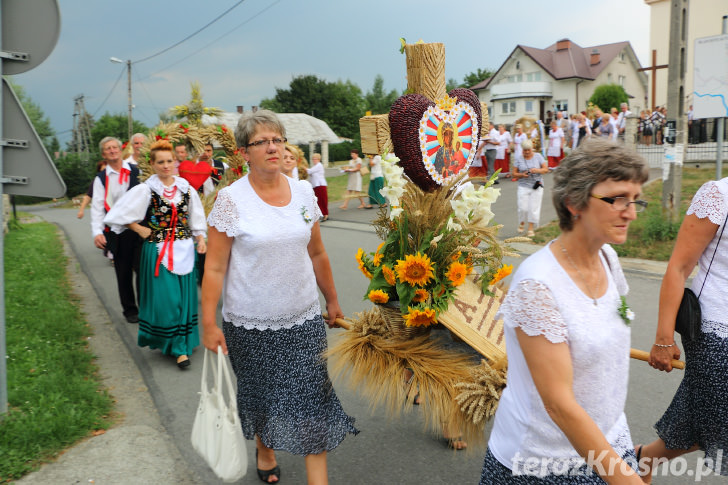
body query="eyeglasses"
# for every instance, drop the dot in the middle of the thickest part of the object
(622, 203)
(276, 141)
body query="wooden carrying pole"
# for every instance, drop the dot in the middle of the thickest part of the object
(633, 353)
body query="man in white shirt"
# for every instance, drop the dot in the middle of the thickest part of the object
(491, 145)
(137, 142)
(109, 186)
(622, 119)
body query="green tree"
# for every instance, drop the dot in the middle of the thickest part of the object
(340, 104)
(113, 125)
(607, 96)
(377, 101)
(39, 120)
(473, 78)
(451, 84)
(76, 173)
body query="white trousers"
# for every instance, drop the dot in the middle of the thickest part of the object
(529, 204)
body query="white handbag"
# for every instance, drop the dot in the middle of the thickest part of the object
(216, 433)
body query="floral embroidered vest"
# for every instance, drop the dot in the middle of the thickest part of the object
(159, 218)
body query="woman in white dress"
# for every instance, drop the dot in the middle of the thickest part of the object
(167, 213)
(561, 417)
(556, 141)
(353, 186)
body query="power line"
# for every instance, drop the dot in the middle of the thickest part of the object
(191, 35)
(214, 41)
(121, 73)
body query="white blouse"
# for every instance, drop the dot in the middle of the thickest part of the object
(316, 175)
(711, 201)
(132, 207)
(270, 283)
(556, 138)
(544, 300)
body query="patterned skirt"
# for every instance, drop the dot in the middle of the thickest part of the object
(699, 411)
(285, 395)
(495, 473)
(167, 307)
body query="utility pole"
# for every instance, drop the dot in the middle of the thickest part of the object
(81, 129)
(720, 122)
(672, 163)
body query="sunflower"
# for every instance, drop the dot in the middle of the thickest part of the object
(420, 318)
(362, 264)
(420, 295)
(457, 272)
(389, 276)
(456, 256)
(378, 296)
(502, 272)
(415, 269)
(377, 259)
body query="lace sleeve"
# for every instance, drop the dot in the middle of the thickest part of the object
(316, 209)
(224, 214)
(709, 202)
(531, 306)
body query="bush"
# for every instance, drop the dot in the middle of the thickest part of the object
(657, 228)
(76, 173)
(609, 96)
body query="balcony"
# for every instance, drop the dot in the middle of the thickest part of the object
(520, 90)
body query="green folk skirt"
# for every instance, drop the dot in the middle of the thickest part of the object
(167, 307)
(375, 185)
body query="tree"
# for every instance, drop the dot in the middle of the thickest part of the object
(39, 120)
(451, 84)
(377, 101)
(113, 125)
(607, 96)
(340, 104)
(473, 78)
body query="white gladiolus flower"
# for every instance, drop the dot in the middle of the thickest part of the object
(395, 213)
(453, 226)
(436, 239)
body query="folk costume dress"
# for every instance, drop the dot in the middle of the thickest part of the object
(699, 411)
(272, 321)
(168, 301)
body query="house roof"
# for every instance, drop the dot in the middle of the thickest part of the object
(571, 62)
(301, 129)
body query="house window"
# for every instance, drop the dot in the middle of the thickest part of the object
(609, 78)
(513, 106)
(621, 80)
(529, 106)
(621, 56)
(561, 105)
(490, 112)
(537, 76)
(529, 77)
(508, 107)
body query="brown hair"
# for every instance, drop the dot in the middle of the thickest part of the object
(159, 146)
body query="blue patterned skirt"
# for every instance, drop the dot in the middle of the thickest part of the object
(698, 414)
(285, 395)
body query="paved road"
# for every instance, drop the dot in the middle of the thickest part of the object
(387, 450)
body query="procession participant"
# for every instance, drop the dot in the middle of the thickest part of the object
(218, 166)
(168, 215)
(491, 150)
(137, 142)
(504, 144)
(266, 257)
(565, 308)
(696, 417)
(518, 138)
(353, 185)
(376, 182)
(109, 186)
(555, 152)
(528, 169)
(317, 178)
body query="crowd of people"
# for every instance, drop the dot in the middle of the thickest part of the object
(557, 423)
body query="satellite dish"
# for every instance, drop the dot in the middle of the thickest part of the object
(31, 28)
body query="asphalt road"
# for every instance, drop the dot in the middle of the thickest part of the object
(399, 450)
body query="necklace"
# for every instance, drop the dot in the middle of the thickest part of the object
(169, 193)
(581, 275)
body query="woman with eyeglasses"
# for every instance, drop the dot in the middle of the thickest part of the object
(561, 417)
(696, 417)
(268, 261)
(528, 169)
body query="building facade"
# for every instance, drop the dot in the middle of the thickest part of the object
(561, 77)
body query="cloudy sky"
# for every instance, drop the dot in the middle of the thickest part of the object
(262, 44)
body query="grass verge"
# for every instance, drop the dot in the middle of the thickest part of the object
(650, 235)
(54, 394)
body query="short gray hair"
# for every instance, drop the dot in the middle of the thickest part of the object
(593, 162)
(106, 140)
(249, 122)
(527, 145)
(138, 135)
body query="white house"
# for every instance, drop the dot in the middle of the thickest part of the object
(560, 77)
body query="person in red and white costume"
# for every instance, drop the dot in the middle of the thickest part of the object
(137, 142)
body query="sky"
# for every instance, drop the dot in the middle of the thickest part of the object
(261, 45)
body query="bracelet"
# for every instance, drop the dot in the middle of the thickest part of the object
(664, 346)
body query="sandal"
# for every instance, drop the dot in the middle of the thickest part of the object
(456, 443)
(266, 474)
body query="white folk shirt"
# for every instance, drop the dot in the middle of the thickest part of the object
(116, 190)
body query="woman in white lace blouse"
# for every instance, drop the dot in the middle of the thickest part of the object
(696, 418)
(561, 417)
(267, 259)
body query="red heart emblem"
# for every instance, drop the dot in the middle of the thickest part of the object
(435, 141)
(194, 173)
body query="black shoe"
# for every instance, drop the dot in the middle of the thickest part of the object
(496, 182)
(183, 364)
(264, 475)
(132, 318)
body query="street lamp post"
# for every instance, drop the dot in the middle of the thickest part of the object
(128, 75)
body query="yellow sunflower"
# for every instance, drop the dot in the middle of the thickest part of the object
(378, 296)
(359, 256)
(420, 295)
(456, 256)
(457, 272)
(420, 318)
(415, 269)
(502, 272)
(389, 275)
(377, 259)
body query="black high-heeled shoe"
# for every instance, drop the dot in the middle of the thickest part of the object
(265, 474)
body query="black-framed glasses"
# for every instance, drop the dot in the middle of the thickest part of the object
(276, 141)
(623, 203)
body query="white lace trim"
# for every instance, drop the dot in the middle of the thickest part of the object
(224, 216)
(719, 329)
(276, 322)
(709, 202)
(531, 307)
